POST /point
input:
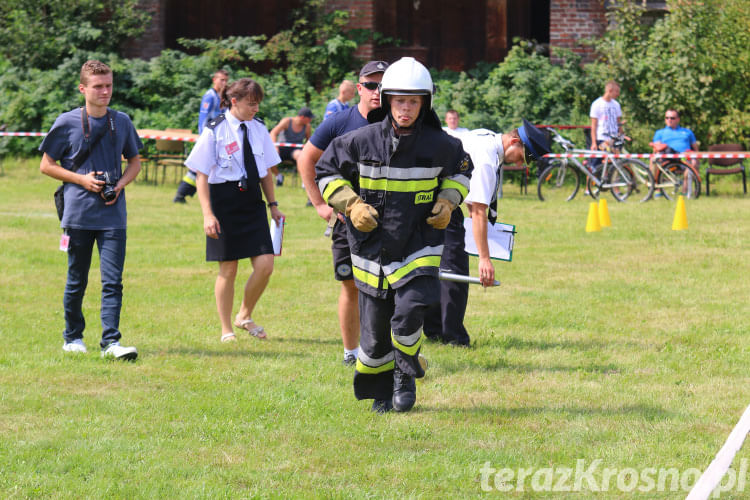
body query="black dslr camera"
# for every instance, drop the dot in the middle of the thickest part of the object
(108, 190)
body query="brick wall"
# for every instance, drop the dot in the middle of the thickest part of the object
(361, 16)
(572, 20)
(151, 42)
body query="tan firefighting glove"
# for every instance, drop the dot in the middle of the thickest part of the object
(347, 201)
(441, 213)
(363, 216)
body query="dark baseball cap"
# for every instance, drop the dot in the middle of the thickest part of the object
(373, 67)
(305, 111)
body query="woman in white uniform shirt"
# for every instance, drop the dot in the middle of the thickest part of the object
(229, 182)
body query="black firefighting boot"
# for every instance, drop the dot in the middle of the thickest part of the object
(183, 191)
(404, 390)
(382, 406)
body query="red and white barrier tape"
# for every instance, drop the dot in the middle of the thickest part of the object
(23, 134)
(563, 127)
(142, 136)
(600, 154)
(167, 137)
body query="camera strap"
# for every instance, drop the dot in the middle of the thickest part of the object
(82, 156)
(86, 128)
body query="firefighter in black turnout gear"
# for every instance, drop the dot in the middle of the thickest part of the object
(397, 181)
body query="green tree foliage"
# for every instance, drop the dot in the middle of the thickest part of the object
(525, 85)
(315, 50)
(696, 60)
(42, 33)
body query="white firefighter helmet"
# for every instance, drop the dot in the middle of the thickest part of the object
(407, 76)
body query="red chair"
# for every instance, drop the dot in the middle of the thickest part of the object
(724, 166)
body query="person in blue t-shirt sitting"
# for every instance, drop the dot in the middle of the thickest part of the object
(674, 139)
(347, 91)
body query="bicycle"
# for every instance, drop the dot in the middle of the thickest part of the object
(643, 179)
(674, 177)
(562, 178)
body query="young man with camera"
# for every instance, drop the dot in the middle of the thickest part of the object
(84, 149)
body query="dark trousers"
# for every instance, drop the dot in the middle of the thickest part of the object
(445, 321)
(111, 245)
(594, 163)
(391, 334)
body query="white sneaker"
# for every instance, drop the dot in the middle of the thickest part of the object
(76, 345)
(115, 350)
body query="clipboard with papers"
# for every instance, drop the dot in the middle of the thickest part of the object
(500, 239)
(277, 235)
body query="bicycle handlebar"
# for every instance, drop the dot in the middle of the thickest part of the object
(562, 141)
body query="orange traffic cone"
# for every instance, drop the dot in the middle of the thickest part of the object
(680, 215)
(604, 219)
(592, 222)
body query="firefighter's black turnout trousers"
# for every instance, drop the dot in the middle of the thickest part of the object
(391, 333)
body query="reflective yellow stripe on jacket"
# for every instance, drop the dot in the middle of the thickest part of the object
(329, 185)
(458, 182)
(399, 180)
(424, 257)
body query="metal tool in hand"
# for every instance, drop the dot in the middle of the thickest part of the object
(331, 223)
(460, 278)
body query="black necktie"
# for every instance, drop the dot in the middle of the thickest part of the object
(248, 158)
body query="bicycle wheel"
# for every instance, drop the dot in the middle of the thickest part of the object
(644, 179)
(621, 181)
(558, 182)
(592, 189)
(669, 179)
(678, 179)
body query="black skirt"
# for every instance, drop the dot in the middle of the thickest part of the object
(243, 222)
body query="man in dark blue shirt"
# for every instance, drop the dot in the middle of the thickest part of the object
(336, 125)
(210, 109)
(83, 146)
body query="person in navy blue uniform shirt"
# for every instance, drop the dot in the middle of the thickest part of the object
(211, 101)
(339, 124)
(210, 109)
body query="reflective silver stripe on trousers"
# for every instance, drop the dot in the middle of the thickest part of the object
(395, 266)
(408, 340)
(388, 172)
(374, 363)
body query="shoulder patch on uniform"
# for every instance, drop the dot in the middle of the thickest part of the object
(260, 120)
(465, 163)
(212, 123)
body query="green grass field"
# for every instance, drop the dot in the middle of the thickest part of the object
(629, 346)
